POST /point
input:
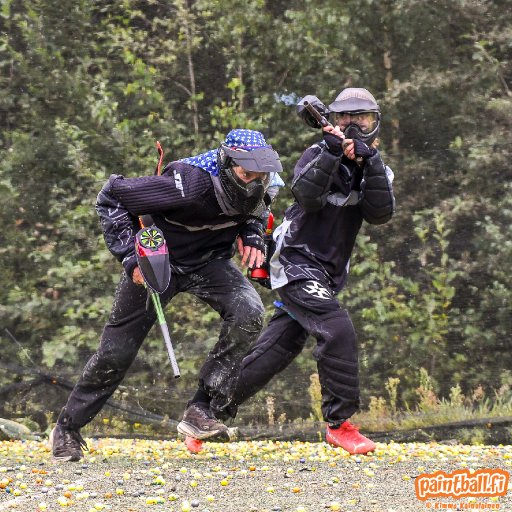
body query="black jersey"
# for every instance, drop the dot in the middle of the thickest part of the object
(333, 197)
(182, 203)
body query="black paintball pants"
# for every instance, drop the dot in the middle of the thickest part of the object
(221, 285)
(308, 307)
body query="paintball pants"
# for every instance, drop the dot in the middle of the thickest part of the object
(309, 307)
(221, 285)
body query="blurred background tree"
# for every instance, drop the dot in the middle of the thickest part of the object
(87, 89)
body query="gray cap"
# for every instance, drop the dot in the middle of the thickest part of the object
(354, 99)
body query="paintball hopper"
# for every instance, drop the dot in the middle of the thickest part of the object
(153, 258)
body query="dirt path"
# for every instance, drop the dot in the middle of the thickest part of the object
(135, 475)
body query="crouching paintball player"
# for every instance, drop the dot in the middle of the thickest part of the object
(205, 206)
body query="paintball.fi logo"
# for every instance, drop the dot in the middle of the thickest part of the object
(462, 483)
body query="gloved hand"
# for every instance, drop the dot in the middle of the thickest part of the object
(252, 236)
(362, 150)
(317, 105)
(333, 143)
(129, 263)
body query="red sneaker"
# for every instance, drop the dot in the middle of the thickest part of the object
(347, 436)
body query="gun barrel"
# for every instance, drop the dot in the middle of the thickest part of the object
(314, 112)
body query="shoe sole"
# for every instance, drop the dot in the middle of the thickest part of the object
(189, 430)
(70, 458)
(67, 458)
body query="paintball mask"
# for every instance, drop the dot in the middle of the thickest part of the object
(357, 113)
(247, 149)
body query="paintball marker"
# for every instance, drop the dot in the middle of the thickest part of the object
(313, 112)
(153, 261)
(261, 274)
(319, 120)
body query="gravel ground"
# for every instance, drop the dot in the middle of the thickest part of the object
(136, 475)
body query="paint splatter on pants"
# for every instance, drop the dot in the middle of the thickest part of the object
(221, 285)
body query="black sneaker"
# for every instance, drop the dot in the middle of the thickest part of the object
(67, 445)
(200, 423)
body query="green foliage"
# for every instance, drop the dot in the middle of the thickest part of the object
(431, 410)
(87, 88)
(315, 394)
(398, 318)
(392, 389)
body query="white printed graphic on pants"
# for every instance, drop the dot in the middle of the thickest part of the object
(317, 290)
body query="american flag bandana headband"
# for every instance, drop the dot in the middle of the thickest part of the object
(239, 138)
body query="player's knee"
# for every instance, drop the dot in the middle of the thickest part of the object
(249, 315)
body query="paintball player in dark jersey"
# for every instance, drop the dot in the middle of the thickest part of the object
(202, 204)
(337, 183)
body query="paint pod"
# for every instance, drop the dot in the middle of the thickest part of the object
(153, 258)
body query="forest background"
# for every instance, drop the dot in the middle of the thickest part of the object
(87, 88)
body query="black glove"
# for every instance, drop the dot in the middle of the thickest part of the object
(317, 105)
(362, 150)
(252, 235)
(333, 143)
(129, 263)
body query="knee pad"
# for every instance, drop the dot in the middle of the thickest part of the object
(337, 357)
(337, 338)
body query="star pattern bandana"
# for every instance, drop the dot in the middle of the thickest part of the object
(239, 138)
(206, 161)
